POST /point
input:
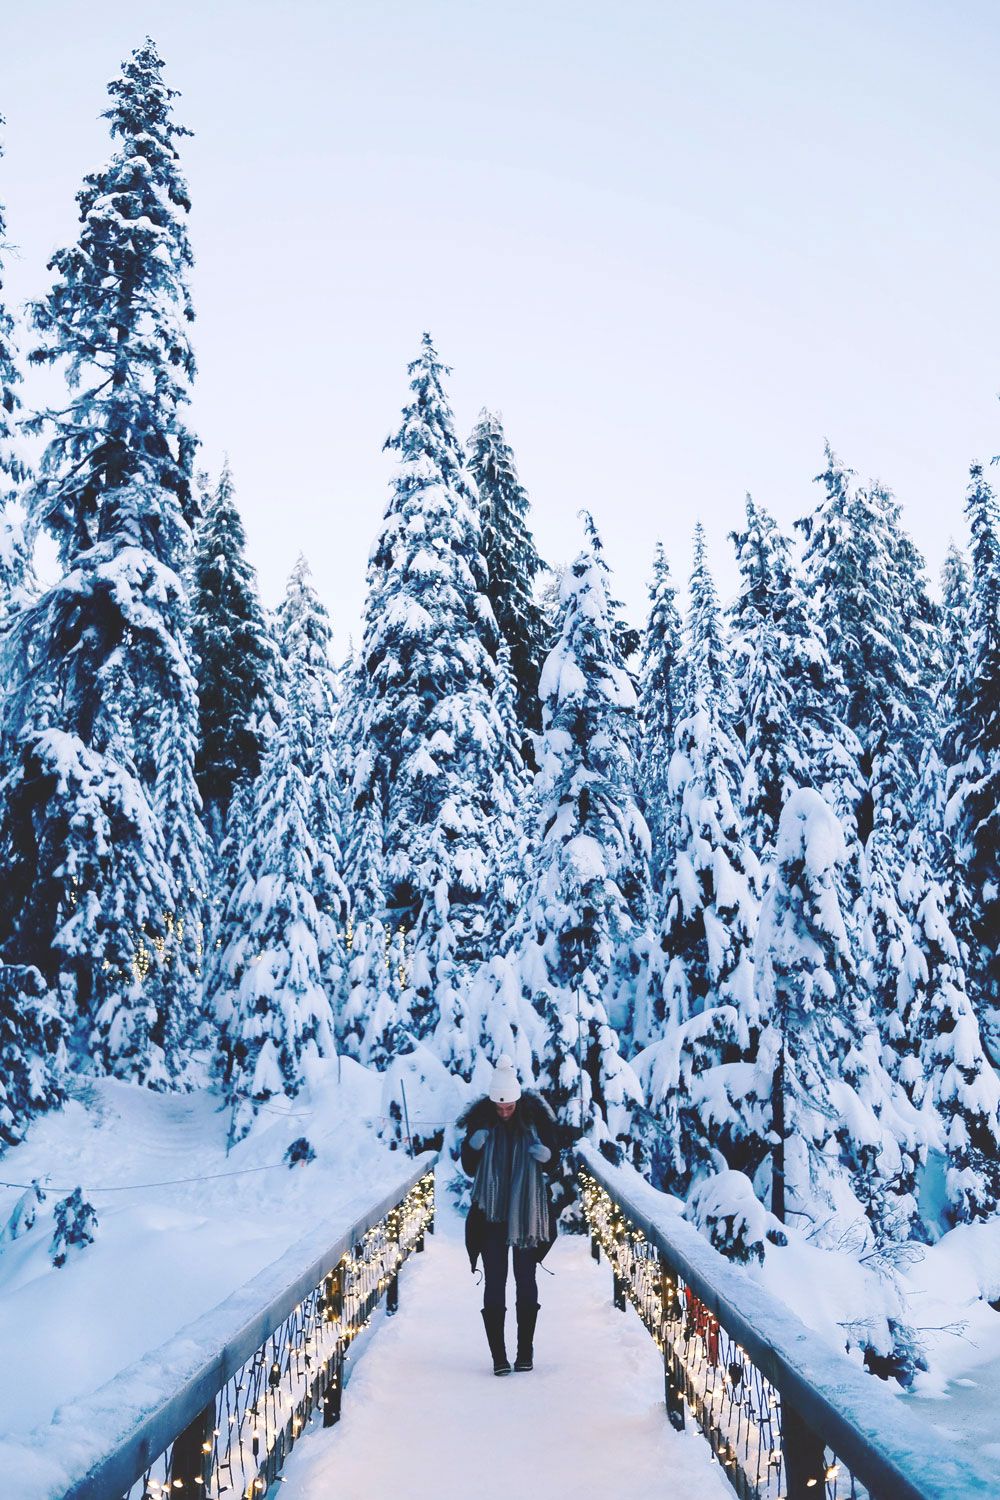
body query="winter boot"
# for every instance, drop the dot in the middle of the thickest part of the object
(525, 1335)
(493, 1318)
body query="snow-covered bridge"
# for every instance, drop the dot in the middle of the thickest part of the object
(715, 1387)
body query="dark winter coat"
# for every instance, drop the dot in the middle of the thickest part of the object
(482, 1115)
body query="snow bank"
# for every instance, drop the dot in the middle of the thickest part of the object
(167, 1254)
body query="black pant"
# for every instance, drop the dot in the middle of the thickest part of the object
(495, 1249)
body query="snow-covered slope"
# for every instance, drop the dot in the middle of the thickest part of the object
(167, 1252)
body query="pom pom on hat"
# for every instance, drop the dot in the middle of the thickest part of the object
(504, 1087)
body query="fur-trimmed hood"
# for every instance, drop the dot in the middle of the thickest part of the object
(483, 1112)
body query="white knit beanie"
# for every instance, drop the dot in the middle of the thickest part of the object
(504, 1087)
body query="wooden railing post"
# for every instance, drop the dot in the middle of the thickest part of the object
(191, 1457)
(392, 1286)
(804, 1455)
(334, 1388)
(673, 1386)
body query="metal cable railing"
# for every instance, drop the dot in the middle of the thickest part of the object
(786, 1417)
(225, 1434)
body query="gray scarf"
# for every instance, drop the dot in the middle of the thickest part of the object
(510, 1188)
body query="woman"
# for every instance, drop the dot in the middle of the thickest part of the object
(509, 1151)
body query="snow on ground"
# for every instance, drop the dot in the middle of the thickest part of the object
(164, 1255)
(424, 1415)
(948, 1287)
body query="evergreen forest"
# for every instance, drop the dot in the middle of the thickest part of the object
(723, 882)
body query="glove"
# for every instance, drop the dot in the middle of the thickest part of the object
(539, 1152)
(478, 1140)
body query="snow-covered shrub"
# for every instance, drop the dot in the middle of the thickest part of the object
(728, 1211)
(24, 1214)
(300, 1151)
(76, 1224)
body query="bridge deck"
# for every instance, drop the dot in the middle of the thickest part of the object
(425, 1418)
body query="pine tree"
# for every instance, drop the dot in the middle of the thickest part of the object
(304, 635)
(31, 1050)
(86, 864)
(512, 561)
(588, 901)
(711, 908)
(514, 807)
(431, 730)
(972, 755)
(235, 653)
(838, 1135)
(708, 1021)
(865, 581)
(869, 593)
(782, 669)
(368, 974)
(659, 695)
(93, 885)
(956, 607)
(177, 807)
(936, 1041)
(269, 995)
(15, 559)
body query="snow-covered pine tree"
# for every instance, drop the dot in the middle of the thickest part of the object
(972, 757)
(514, 808)
(431, 730)
(31, 1050)
(500, 1017)
(869, 593)
(368, 975)
(936, 1043)
(269, 994)
(575, 939)
(956, 607)
(710, 916)
(837, 1133)
(94, 888)
(659, 695)
(512, 561)
(712, 899)
(235, 655)
(838, 1142)
(864, 579)
(781, 669)
(304, 636)
(15, 552)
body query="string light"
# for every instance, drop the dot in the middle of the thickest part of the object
(735, 1407)
(297, 1372)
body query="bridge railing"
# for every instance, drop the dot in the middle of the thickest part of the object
(787, 1417)
(225, 1429)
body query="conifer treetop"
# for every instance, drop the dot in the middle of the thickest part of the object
(427, 429)
(15, 546)
(117, 318)
(512, 560)
(11, 465)
(708, 658)
(234, 648)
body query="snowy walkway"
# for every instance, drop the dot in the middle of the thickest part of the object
(425, 1417)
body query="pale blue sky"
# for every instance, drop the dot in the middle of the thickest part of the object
(677, 246)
